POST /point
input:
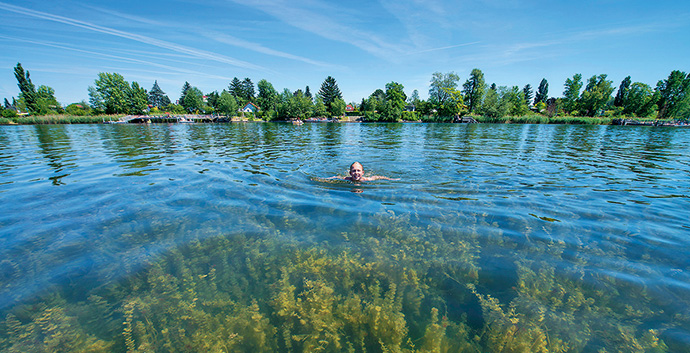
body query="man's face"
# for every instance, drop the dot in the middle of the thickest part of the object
(356, 172)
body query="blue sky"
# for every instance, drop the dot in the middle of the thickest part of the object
(362, 44)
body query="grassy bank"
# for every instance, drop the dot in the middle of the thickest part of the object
(57, 119)
(541, 119)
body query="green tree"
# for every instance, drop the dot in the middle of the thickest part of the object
(596, 95)
(528, 93)
(192, 99)
(248, 90)
(674, 95)
(27, 90)
(185, 88)
(96, 100)
(395, 101)
(452, 106)
(640, 100)
(212, 100)
(78, 109)
(571, 93)
(157, 97)
(369, 104)
(440, 86)
(337, 107)
(492, 106)
(473, 89)
(235, 88)
(227, 104)
(267, 98)
(414, 98)
(46, 100)
(110, 94)
(137, 99)
(514, 100)
(294, 105)
(619, 100)
(329, 92)
(542, 92)
(319, 108)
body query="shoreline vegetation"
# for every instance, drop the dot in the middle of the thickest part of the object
(584, 101)
(139, 119)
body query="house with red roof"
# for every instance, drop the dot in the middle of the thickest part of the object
(250, 108)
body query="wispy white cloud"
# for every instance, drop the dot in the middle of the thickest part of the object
(424, 21)
(442, 48)
(325, 21)
(219, 37)
(499, 55)
(118, 58)
(130, 18)
(253, 46)
(201, 54)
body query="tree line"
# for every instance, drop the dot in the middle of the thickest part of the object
(112, 94)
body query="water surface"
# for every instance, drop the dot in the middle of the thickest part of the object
(528, 235)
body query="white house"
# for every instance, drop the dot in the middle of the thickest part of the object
(249, 108)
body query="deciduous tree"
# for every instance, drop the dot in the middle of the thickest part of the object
(440, 86)
(619, 100)
(514, 99)
(337, 107)
(674, 95)
(395, 101)
(452, 106)
(227, 104)
(571, 94)
(492, 105)
(596, 95)
(267, 98)
(137, 99)
(319, 108)
(110, 93)
(27, 90)
(640, 100)
(46, 100)
(473, 89)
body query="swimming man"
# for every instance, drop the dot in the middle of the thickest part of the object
(357, 174)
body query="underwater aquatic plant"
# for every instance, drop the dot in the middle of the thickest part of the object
(390, 288)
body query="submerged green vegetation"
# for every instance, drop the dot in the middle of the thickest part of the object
(387, 287)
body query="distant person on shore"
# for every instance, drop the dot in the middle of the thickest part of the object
(357, 174)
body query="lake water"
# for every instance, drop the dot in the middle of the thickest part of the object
(227, 238)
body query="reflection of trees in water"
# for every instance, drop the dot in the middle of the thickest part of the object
(136, 148)
(329, 138)
(5, 153)
(55, 145)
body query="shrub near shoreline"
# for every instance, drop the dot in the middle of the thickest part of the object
(57, 119)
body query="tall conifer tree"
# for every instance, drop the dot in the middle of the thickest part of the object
(542, 92)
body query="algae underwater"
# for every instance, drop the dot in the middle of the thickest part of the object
(523, 238)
